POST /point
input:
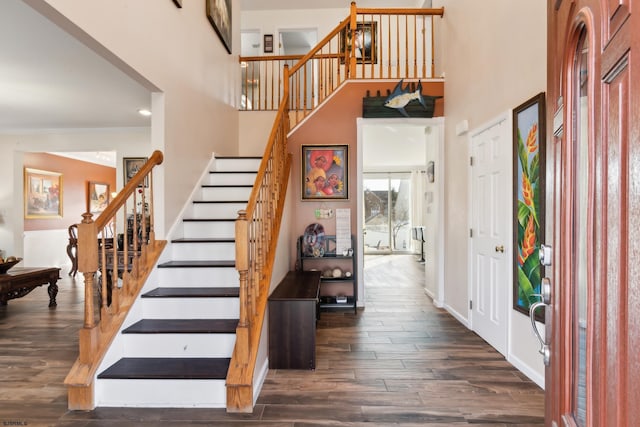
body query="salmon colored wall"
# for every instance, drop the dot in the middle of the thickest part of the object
(335, 123)
(75, 178)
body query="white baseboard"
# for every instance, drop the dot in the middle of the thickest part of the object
(462, 319)
(526, 369)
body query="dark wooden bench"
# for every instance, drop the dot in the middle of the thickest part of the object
(293, 311)
(19, 281)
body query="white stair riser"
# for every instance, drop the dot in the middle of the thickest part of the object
(225, 193)
(216, 210)
(191, 308)
(231, 178)
(194, 277)
(161, 393)
(237, 164)
(179, 345)
(203, 251)
(209, 229)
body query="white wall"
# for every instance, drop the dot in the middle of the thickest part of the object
(493, 54)
(255, 128)
(177, 51)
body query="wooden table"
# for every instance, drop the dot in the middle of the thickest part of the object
(19, 281)
(292, 321)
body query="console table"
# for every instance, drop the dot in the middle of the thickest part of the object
(292, 321)
(19, 281)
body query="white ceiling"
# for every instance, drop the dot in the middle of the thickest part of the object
(49, 80)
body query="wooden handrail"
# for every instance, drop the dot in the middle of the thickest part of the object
(402, 47)
(257, 230)
(98, 251)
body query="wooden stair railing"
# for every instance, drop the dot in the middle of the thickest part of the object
(257, 230)
(399, 44)
(123, 266)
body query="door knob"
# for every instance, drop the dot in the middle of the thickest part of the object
(500, 249)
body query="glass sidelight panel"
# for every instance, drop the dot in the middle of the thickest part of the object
(387, 212)
(580, 215)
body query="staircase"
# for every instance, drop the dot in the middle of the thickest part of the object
(175, 348)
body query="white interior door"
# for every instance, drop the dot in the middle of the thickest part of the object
(490, 218)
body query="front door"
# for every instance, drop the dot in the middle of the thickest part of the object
(593, 320)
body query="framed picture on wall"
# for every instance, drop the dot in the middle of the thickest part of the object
(42, 194)
(97, 197)
(362, 41)
(528, 201)
(325, 172)
(219, 15)
(131, 166)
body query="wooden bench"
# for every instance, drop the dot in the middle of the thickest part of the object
(293, 310)
(19, 281)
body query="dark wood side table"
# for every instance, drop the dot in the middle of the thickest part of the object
(292, 321)
(19, 281)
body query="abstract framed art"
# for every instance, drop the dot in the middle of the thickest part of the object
(325, 172)
(528, 198)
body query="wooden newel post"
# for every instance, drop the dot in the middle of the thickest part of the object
(88, 265)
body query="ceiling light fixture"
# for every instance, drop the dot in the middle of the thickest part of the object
(144, 112)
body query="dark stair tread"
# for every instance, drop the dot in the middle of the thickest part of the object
(193, 292)
(197, 264)
(183, 326)
(235, 172)
(227, 185)
(167, 368)
(220, 201)
(238, 157)
(204, 240)
(209, 219)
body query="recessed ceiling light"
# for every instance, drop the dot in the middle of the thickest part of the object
(144, 112)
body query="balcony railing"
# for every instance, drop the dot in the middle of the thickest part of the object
(368, 44)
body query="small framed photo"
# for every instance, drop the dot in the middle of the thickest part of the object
(268, 43)
(325, 172)
(42, 194)
(97, 197)
(131, 166)
(364, 43)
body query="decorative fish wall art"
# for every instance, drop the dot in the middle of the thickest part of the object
(402, 102)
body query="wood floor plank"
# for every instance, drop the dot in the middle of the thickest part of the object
(399, 361)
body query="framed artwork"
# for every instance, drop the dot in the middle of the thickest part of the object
(178, 3)
(131, 166)
(219, 15)
(42, 194)
(325, 172)
(268, 43)
(97, 197)
(528, 197)
(364, 43)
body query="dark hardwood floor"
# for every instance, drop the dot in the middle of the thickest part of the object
(399, 361)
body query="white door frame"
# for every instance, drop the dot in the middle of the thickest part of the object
(438, 298)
